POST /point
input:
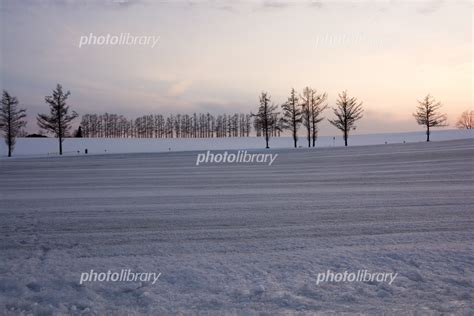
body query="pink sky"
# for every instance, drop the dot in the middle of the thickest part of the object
(218, 56)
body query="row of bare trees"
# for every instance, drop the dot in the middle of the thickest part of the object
(57, 122)
(306, 109)
(198, 125)
(300, 109)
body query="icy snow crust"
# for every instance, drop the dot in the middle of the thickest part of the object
(241, 239)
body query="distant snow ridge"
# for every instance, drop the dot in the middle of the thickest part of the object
(77, 146)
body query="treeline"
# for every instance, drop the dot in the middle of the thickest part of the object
(300, 110)
(306, 109)
(197, 125)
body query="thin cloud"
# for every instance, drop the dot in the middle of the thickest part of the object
(430, 7)
(74, 3)
(316, 4)
(276, 4)
(282, 4)
(179, 88)
(224, 5)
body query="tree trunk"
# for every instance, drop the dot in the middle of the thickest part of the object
(9, 141)
(346, 132)
(295, 133)
(9, 131)
(427, 133)
(60, 145)
(266, 135)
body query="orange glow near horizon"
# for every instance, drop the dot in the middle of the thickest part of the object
(218, 56)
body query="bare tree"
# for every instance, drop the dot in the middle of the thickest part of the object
(348, 112)
(316, 108)
(427, 114)
(266, 117)
(292, 116)
(59, 120)
(312, 107)
(306, 112)
(466, 120)
(78, 133)
(11, 120)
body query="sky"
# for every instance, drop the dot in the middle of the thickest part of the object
(218, 56)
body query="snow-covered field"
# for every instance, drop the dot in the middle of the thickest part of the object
(75, 146)
(241, 239)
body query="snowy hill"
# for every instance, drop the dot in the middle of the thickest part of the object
(49, 146)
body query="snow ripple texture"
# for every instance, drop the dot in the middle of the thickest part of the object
(241, 239)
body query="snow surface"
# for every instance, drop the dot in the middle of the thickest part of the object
(75, 146)
(241, 239)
